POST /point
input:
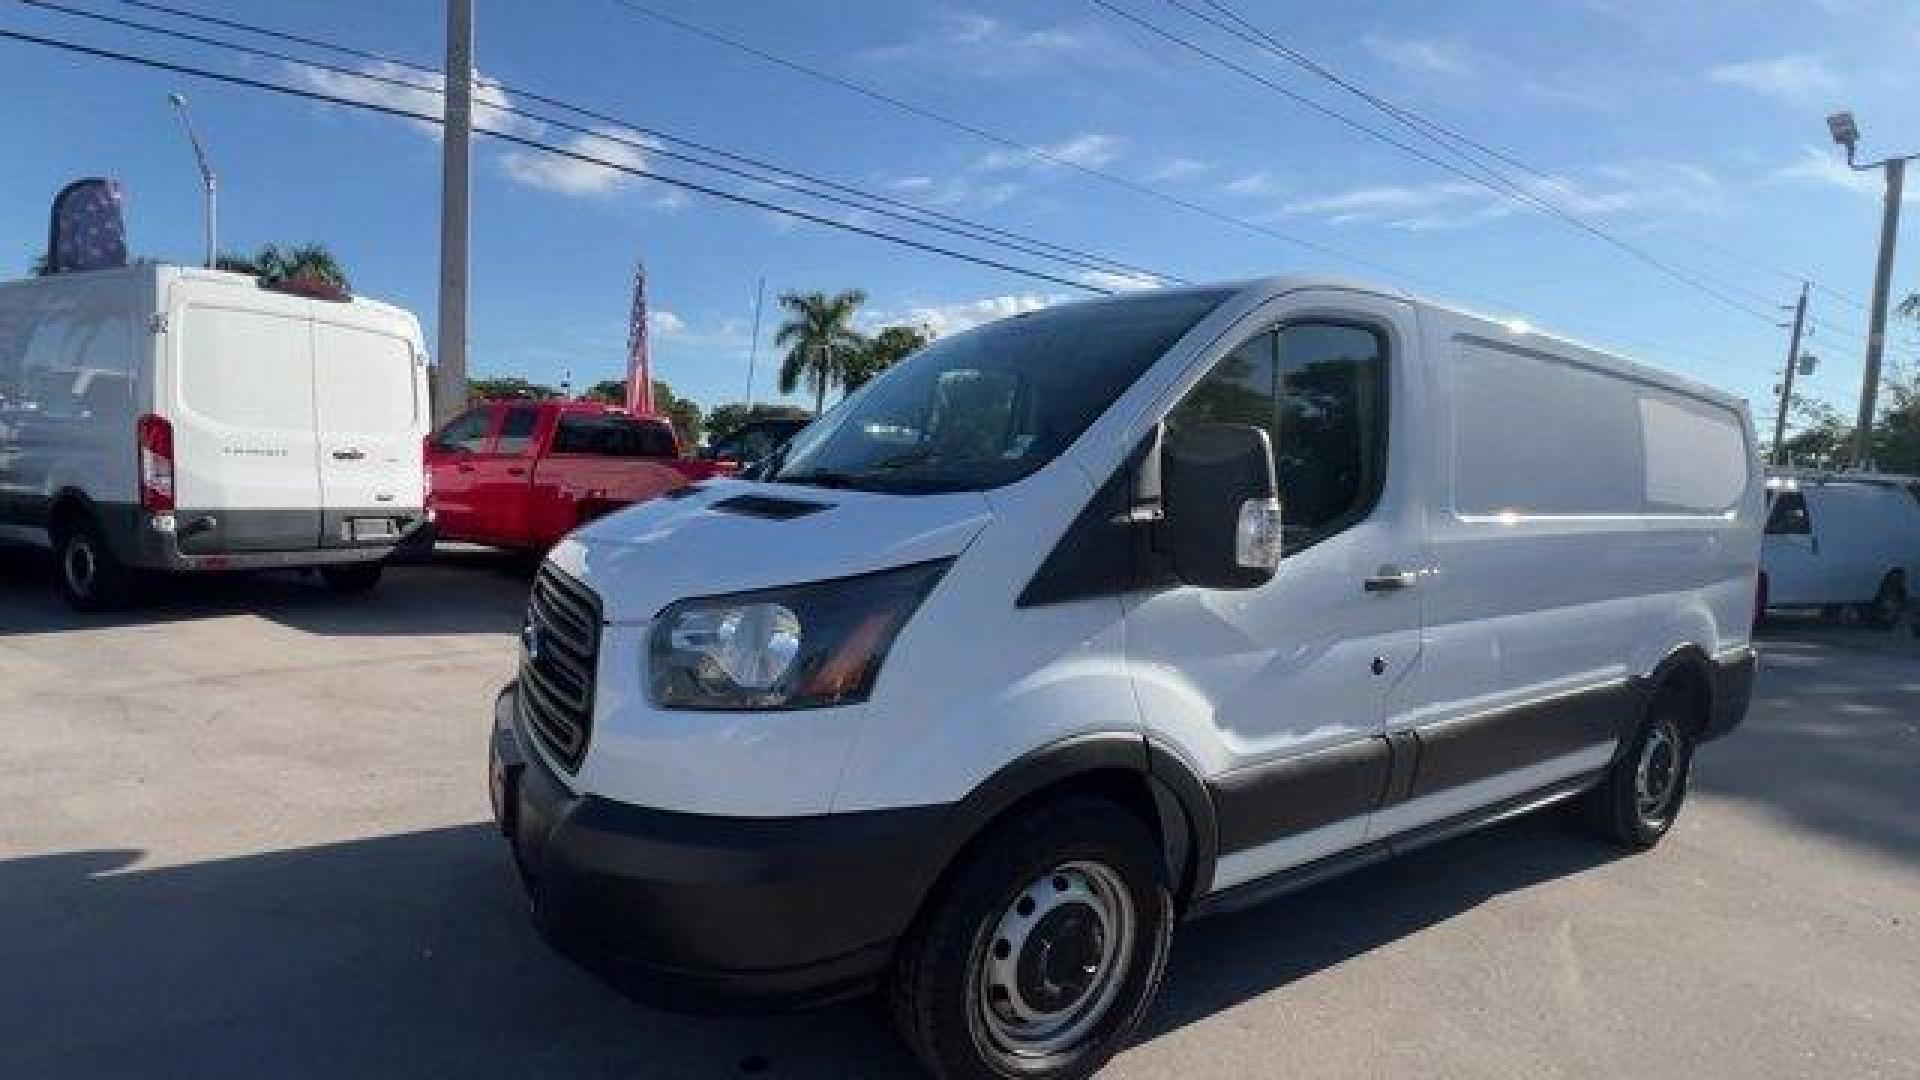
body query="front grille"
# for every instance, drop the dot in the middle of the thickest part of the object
(558, 652)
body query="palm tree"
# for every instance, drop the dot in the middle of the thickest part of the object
(819, 331)
(883, 350)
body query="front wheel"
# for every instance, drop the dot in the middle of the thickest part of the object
(1044, 950)
(352, 578)
(1640, 796)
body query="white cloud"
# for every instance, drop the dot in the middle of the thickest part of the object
(975, 45)
(574, 176)
(1179, 168)
(997, 176)
(1258, 182)
(952, 318)
(1799, 78)
(665, 323)
(1649, 188)
(534, 168)
(1088, 149)
(1423, 56)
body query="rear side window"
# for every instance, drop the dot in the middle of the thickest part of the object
(467, 433)
(364, 380)
(516, 431)
(247, 369)
(1789, 516)
(612, 435)
(1319, 391)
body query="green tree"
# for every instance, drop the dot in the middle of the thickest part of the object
(310, 262)
(819, 336)
(881, 351)
(508, 386)
(726, 419)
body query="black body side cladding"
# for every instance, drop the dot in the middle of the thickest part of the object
(1732, 680)
(1295, 794)
(1469, 748)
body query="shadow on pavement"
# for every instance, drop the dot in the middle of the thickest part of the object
(460, 591)
(1832, 743)
(412, 955)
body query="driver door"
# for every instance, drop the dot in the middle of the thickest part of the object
(451, 455)
(1281, 693)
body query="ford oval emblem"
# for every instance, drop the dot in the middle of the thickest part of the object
(530, 638)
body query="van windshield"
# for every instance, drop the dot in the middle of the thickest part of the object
(990, 406)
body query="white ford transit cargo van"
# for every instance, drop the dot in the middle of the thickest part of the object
(1842, 540)
(179, 419)
(1088, 619)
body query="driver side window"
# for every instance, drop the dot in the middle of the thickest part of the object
(1318, 389)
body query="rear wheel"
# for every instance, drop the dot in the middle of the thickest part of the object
(353, 578)
(1640, 797)
(1888, 605)
(89, 577)
(1042, 952)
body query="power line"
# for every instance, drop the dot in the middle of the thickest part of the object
(1441, 133)
(780, 177)
(536, 144)
(1500, 186)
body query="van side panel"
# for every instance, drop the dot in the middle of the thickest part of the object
(72, 370)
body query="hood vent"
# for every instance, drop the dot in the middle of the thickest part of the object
(763, 506)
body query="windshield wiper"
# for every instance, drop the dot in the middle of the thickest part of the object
(822, 478)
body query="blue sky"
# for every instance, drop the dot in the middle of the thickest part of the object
(1693, 131)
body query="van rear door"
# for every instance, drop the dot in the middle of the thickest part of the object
(246, 460)
(368, 414)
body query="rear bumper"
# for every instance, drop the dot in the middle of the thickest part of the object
(1732, 691)
(156, 542)
(701, 913)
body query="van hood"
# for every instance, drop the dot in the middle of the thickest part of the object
(726, 536)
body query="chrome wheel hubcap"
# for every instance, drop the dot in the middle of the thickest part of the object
(1657, 776)
(1055, 960)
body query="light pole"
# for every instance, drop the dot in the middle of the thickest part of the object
(450, 383)
(1847, 134)
(207, 181)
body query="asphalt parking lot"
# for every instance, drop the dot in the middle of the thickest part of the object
(244, 832)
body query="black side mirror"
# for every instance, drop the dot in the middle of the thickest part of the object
(1220, 506)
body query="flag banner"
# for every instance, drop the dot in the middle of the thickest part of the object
(88, 230)
(639, 362)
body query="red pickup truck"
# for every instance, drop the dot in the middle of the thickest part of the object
(523, 474)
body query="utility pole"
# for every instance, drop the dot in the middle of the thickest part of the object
(753, 350)
(1847, 134)
(1786, 383)
(450, 382)
(207, 180)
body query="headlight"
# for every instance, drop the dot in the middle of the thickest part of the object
(802, 647)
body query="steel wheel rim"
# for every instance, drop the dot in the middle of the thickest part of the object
(1055, 959)
(1657, 774)
(80, 566)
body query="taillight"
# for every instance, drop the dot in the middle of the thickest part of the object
(156, 464)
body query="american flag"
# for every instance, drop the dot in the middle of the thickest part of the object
(639, 363)
(89, 231)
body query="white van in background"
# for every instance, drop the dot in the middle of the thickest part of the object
(169, 418)
(1847, 541)
(1089, 618)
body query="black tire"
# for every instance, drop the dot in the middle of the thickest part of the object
(948, 968)
(1640, 797)
(85, 570)
(1889, 604)
(352, 579)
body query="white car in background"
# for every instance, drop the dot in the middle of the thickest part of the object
(1841, 541)
(169, 418)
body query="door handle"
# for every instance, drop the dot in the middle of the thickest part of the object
(516, 471)
(1390, 579)
(351, 453)
(463, 468)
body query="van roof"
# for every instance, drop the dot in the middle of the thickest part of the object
(1519, 331)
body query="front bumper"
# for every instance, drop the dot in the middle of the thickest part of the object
(702, 913)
